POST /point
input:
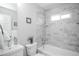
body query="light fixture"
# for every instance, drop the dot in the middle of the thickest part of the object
(19, 4)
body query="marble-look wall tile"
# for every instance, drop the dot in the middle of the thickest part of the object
(64, 33)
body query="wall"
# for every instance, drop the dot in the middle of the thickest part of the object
(26, 30)
(63, 33)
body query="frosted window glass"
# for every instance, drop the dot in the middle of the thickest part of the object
(55, 18)
(60, 17)
(65, 16)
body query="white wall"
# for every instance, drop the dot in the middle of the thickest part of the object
(26, 30)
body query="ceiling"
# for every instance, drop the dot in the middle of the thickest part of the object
(47, 6)
(12, 6)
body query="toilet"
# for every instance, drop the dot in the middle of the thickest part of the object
(31, 49)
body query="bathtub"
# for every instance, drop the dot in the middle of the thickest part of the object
(49, 50)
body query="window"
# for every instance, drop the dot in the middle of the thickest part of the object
(65, 16)
(60, 17)
(56, 17)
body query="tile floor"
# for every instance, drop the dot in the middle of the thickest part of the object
(39, 54)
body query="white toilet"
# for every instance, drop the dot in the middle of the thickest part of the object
(31, 49)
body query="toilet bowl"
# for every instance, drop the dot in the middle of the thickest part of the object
(31, 49)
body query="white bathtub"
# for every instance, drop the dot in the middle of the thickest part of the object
(55, 51)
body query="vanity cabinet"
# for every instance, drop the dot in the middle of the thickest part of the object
(16, 50)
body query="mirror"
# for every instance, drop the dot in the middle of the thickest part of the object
(5, 21)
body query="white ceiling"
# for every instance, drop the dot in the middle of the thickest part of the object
(44, 4)
(12, 6)
(47, 6)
